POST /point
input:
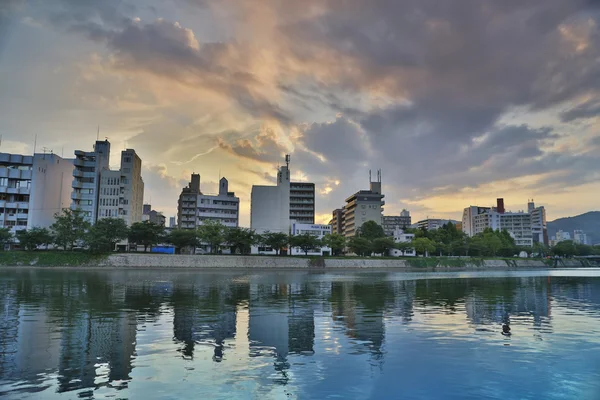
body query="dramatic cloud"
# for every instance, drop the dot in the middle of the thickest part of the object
(449, 98)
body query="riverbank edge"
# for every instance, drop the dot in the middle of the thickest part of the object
(234, 262)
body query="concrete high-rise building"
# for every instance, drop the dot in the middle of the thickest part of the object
(539, 228)
(270, 205)
(33, 189)
(172, 222)
(580, 237)
(518, 224)
(132, 187)
(194, 207)
(50, 190)
(363, 206)
(86, 178)
(302, 202)
(121, 192)
(337, 221)
(391, 222)
(468, 219)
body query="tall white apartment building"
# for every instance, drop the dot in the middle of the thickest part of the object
(302, 202)
(50, 190)
(104, 193)
(33, 189)
(86, 178)
(468, 219)
(520, 225)
(15, 190)
(131, 200)
(194, 207)
(539, 227)
(270, 205)
(580, 237)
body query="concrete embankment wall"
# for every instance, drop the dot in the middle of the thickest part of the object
(206, 261)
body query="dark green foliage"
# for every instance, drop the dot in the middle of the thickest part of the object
(213, 234)
(69, 227)
(146, 234)
(360, 246)
(305, 242)
(33, 238)
(423, 245)
(371, 230)
(183, 238)
(383, 245)
(565, 248)
(240, 239)
(105, 234)
(336, 242)
(275, 240)
(6, 237)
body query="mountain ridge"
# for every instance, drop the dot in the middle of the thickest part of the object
(588, 222)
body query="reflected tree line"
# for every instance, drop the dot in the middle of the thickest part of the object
(83, 322)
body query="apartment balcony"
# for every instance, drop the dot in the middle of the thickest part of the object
(15, 173)
(83, 185)
(296, 206)
(301, 194)
(301, 202)
(82, 196)
(217, 215)
(218, 206)
(84, 174)
(22, 216)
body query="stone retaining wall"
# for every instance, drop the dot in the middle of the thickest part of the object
(207, 261)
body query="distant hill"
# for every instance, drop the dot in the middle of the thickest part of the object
(588, 223)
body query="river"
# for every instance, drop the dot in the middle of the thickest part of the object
(71, 334)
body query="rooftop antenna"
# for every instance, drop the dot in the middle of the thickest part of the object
(369, 175)
(98, 133)
(287, 160)
(34, 143)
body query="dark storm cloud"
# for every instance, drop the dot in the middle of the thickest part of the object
(167, 49)
(447, 71)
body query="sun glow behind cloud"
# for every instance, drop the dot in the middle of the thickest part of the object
(226, 88)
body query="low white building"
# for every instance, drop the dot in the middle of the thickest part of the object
(316, 230)
(401, 237)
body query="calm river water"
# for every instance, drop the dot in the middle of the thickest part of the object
(296, 335)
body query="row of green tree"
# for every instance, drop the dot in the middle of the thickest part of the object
(450, 241)
(71, 230)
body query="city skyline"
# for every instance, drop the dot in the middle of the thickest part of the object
(445, 100)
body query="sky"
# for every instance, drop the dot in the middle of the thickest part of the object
(457, 102)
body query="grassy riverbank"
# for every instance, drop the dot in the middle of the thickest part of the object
(48, 258)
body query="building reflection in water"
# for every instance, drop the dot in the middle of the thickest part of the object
(83, 327)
